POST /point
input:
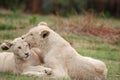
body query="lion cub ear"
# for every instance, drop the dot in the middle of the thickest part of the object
(42, 23)
(6, 45)
(44, 34)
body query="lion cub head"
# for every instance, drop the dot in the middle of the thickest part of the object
(19, 47)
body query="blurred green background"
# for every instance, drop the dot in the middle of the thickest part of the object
(64, 7)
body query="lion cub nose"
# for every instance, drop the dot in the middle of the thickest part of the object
(27, 54)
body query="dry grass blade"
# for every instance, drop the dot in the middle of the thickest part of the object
(87, 25)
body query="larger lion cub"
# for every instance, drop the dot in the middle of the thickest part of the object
(62, 58)
(22, 60)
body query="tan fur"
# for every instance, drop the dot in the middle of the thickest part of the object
(18, 62)
(62, 58)
(43, 23)
(7, 62)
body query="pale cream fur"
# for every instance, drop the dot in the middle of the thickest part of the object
(19, 62)
(62, 58)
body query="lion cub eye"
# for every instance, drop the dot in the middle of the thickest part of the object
(26, 45)
(31, 34)
(19, 47)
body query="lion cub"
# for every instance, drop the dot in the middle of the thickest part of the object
(22, 60)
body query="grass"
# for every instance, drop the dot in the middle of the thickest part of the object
(10, 76)
(14, 25)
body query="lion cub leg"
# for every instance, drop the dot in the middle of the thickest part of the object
(39, 71)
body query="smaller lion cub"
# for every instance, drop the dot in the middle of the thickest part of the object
(21, 60)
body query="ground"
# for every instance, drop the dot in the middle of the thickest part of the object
(13, 25)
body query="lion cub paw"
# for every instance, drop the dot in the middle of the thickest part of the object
(48, 71)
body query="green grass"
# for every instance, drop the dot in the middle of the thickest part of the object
(10, 76)
(14, 25)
